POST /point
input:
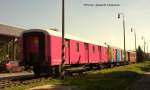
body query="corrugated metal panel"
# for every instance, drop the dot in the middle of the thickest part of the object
(7, 33)
(10, 31)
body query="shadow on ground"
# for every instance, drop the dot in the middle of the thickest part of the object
(112, 80)
(118, 78)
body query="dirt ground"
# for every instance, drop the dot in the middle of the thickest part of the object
(53, 87)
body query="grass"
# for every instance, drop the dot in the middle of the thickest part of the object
(117, 78)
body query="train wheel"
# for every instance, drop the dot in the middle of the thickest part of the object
(101, 66)
(56, 71)
(111, 65)
(124, 63)
(37, 70)
(127, 63)
(117, 64)
(48, 70)
(91, 67)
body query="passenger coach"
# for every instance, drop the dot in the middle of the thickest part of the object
(41, 50)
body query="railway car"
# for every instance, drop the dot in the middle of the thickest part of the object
(127, 57)
(41, 50)
(112, 56)
(131, 57)
(118, 54)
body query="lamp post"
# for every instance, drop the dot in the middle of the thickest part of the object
(133, 30)
(143, 38)
(119, 14)
(147, 48)
(62, 71)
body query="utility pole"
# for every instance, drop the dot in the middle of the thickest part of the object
(62, 71)
(119, 14)
(132, 30)
(143, 38)
(8, 50)
(147, 48)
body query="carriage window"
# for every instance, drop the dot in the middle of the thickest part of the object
(77, 47)
(36, 41)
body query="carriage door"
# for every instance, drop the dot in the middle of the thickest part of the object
(86, 51)
(67, 51)
(32, 49)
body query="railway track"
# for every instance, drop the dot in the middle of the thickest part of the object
(28, 79)
(20, 80)
(8, 83)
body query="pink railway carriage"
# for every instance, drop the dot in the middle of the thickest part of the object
(41, 49)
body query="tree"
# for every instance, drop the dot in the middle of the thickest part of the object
(139, 54)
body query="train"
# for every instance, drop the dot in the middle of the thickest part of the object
(41, 51)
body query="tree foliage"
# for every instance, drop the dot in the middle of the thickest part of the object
(139, 54)
(6, 52)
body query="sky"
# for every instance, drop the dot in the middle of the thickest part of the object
(96, 23)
